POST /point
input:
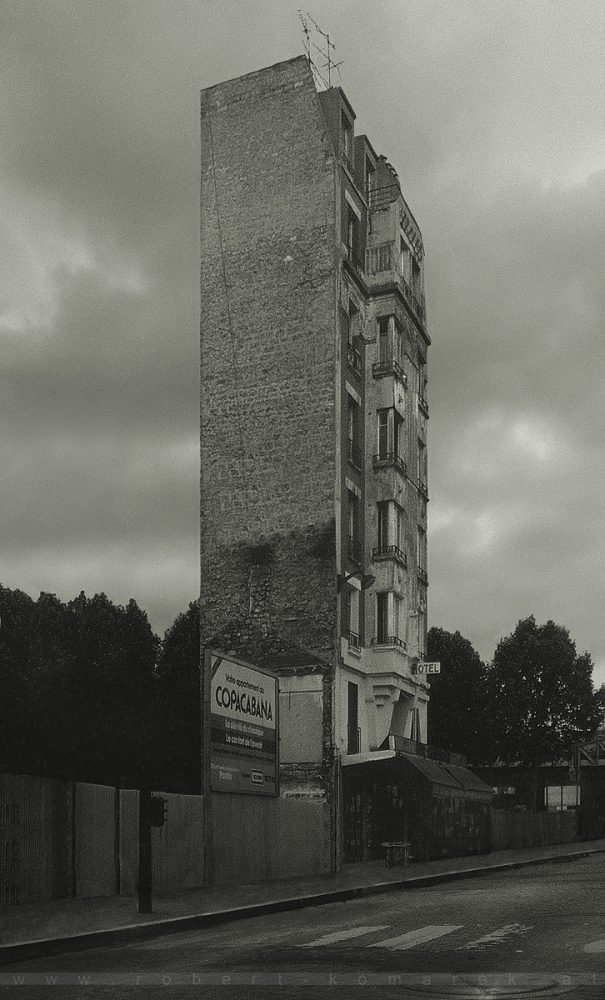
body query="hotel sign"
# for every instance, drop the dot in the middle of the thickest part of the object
(425, 669)
(243, 728)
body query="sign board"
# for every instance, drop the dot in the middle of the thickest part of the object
(427, 668)
(243, 728)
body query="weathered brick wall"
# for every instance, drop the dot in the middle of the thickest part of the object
(268, 345)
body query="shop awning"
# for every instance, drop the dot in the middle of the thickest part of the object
(389, 763)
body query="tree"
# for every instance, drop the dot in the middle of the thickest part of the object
(179, 699)
(78, 688)
(16, 616)
(543, 696)
(457, 709)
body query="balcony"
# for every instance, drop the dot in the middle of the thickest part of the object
(389, 367)
(354, 455)
(388, 640)
(353, 549)
(384, 266)
(386, 458)
(389, 552)
(423, 489)
(354, 641)
(423, 406)
(422, 575)
(354, 359)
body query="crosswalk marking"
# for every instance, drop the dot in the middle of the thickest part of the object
(352, 932)
(496, 937)
(419, 936)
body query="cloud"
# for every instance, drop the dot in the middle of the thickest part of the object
(492, 115)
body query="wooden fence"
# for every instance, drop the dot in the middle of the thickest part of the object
(510, 829)
(62, 838)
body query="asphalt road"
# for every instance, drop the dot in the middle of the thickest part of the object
(537, 931)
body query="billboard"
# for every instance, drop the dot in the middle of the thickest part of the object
(244, 733)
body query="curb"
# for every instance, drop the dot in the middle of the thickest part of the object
(173, 925)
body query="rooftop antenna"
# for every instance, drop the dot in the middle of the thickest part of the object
(324, 70)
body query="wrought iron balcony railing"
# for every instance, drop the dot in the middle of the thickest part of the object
(384, 458)
(388, 640)
(389, 552)
(423, 405)
(389, 367)
(423, 488)
(422, 575)
(354, 641)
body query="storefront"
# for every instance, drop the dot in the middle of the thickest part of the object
(440, 809)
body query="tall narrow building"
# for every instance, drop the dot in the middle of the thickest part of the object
(314, 434)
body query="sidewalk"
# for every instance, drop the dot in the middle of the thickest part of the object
(68, 924)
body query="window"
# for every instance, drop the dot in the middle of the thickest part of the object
(352, 718)
(422, 564)
(421, 620)
(383, 340)
(347, 139)
(352, 515)
(390, 436)
(422, 463)
(558, 798)
(390, 621)
(405, 267)
(353, 322)
(399, 527)
(391, 530)
(351, 616)
(383, 525)
(353, 433)
(370, 178)
(382, 617)
(352, 231)
(416, 283)
(389, 348)
(383, 433)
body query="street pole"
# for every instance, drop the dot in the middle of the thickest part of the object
(144, 879)
(205, 686)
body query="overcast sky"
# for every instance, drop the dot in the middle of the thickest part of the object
(493, 113)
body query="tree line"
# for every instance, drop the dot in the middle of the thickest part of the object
(90, 693)
(531, 704)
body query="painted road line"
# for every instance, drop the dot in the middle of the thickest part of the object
(352, 932)
(419, 936)
(499, 936)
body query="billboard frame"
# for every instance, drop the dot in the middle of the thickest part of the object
(211, 747)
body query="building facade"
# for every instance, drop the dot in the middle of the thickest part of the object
(314, 427)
